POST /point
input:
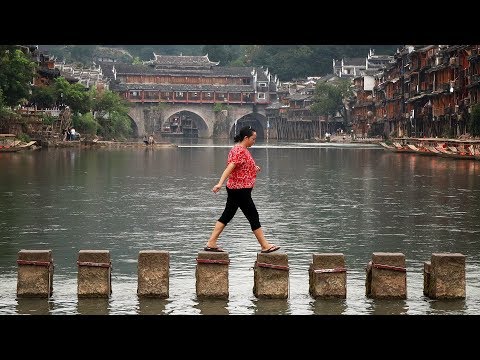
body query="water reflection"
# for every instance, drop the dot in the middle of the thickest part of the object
(151, 306)
(387, 307)
(328, 306)
(442, 307)
(33, 306)
(212, 306)
(271, 307)
(311, 198)
(93, 306)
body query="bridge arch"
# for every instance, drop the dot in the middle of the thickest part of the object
(193, 124)
(256, 120)
(152, 117)
(134, 125)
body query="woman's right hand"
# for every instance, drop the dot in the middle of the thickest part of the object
(216, 188)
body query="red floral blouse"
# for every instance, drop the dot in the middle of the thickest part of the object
(245, 172)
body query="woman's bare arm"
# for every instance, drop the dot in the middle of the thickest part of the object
(226, 173)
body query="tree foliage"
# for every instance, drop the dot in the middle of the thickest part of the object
(5, 112)
(329, 96)
(298, 61)
(225, 54)
(16, 74)
(44, 96)
(85, 123)
(288, 62)
(76, 96)
(111, 115)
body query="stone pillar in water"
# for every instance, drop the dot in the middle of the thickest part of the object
(35, 273)
(211, 275)
(153, 273)
(328, 276)
(271, 275)
(94, 273)
(444, 276)
(386, 276)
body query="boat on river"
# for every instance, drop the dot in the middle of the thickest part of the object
(448, 148)
(397, 147)
(9, 143)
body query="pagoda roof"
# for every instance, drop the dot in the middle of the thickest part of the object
(174, 61)
(129, 69)
(183, 87)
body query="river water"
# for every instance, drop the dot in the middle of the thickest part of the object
(312, 198)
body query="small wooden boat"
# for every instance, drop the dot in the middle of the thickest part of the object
(442, 147)
(397, 147)
(386, 146)
(422, 150)
(9, 143)
(403, 148)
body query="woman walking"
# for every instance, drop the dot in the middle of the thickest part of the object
(241, 172)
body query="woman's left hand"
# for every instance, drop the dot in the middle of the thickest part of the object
(258, 168)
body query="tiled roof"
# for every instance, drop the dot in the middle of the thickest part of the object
(328, 77)
(451, 48)
(354, 61)
(129, 69)
(372, 72)
(437, 67)
(183, 87)
(424, 48)
(274, 105)
(298, 97)
(185, 61)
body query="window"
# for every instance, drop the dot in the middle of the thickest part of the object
(261, 96)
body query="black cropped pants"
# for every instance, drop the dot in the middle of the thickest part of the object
(240, 198)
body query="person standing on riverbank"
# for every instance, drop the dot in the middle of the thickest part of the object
(241, 172)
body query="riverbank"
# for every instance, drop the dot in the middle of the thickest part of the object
(348, 140)
(105, 143)
(136, 144)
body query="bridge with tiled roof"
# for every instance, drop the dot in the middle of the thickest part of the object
(215, 97)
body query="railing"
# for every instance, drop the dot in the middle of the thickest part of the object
(31, 110)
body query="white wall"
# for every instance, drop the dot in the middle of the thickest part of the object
(368, 82)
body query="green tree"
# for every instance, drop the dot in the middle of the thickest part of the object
(298, 61)
(111, 115)
(44, 96)
(4, 110)
(2, 100)
(137, 61)
(225, 54)
(83, 53)
(76, 96)
(329, 97)
(85, 123)
(17, 71)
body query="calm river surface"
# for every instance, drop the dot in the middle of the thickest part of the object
(312, 198)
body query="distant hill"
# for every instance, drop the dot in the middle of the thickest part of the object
(286, 61)
(85, 53)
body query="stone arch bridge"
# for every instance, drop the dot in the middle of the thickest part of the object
(150, 118)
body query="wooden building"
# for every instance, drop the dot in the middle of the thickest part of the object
(189, 79)
(426, 90)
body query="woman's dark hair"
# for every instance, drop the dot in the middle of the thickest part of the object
(244, 131)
